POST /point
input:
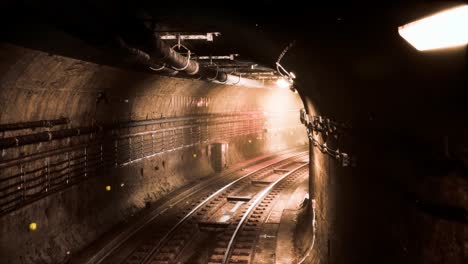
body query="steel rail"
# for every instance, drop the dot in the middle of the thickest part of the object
(110, 247)
(189, 214)
(258, 199)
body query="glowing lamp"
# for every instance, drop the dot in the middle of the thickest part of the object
(445, 29)
(282, 83)
(33, 226)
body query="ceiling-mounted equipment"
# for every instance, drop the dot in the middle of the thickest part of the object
(225, 57)
(209, 36)
(229, 66)
(288, 77)
(445, 29)
(269, 73)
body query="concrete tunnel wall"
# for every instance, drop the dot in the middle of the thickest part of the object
(315, 223)
(39, 86)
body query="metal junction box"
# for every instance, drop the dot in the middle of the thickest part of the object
(219, 155)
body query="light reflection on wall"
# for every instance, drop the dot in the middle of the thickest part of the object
(283, 127)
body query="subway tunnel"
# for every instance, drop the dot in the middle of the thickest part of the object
(241, 132)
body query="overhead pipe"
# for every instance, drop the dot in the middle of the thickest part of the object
(163, 52)
(161, 57)
(141, 57)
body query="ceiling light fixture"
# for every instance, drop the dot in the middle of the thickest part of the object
(445, 29)
(283, 83)
(287, 79)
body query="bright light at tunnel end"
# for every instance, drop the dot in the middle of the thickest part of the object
(445, 29)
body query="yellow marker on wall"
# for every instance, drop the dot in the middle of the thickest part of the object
(32, 226)
(108, 188)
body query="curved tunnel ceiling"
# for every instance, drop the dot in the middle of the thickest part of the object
(348, 58)
(346, 54)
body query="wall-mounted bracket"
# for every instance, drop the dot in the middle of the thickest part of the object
(225, 57)
(326, 127)
(209, 36)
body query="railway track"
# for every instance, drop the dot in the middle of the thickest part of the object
(230, 211)
(242, 237)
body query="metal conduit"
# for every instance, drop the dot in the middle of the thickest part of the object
(45, 136)
(161, 51)
(33, 124)
(143, 58)
(161, 57)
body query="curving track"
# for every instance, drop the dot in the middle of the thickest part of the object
(221, 226)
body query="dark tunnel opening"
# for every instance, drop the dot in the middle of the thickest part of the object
(247, 132)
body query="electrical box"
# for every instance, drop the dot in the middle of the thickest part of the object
(219, 155)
